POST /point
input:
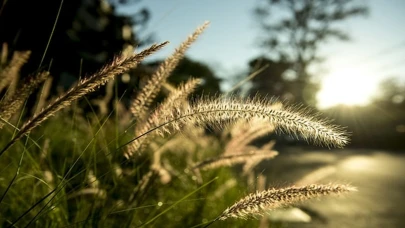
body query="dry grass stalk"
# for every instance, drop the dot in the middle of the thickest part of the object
(164, 175)
(163, 166)
(261, 182)
(92, 180)
(156, 163)
(143, 185)
(158, 148)
(99, 194)
(176, 143)
(247, 127)
(102, 103)
(218, 110)
(184, 145)
(45, 150)
(257, 203)
(10, 72)
(233, 159)
(269, 145)
(143, 99)
(252, 163)
(43, 96)
(175, 98)
(247, 132)
(221, 191)
(9, 106)
(93, 189)
(3, 55)
(194, 137)
(117, 66)
(178, 95)
(288, 120)
(264, 223)
(168, 87)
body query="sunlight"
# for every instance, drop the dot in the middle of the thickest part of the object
(359, 163)
(347, 87)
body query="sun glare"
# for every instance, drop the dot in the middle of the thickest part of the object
(347, 87)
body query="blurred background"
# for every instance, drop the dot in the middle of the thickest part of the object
(344, 58)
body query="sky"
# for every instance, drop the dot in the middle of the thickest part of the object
(349, 75)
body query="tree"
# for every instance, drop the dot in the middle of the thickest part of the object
(391, 93)
(294, 31)
(274, 69)
(90, 31)
(87, 34)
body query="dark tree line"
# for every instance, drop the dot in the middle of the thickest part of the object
(87, 33)
(74, 38)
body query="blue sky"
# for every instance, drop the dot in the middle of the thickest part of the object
(376, 51)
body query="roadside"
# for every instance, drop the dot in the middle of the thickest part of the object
(378, 175)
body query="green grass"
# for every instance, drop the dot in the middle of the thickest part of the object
(66, 167)
(78, 146)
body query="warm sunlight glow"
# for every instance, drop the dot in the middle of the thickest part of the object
(348, 87)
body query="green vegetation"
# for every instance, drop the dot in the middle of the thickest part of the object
(64, 167)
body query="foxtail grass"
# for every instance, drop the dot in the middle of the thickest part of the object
(244, 133)
(11, 71)
(118, 66)
(258, 203)
(233, 159)
(218, 110)
(143, 99)
(10, 105)
(176, 97)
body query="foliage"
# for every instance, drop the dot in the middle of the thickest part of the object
(293, 32)
(391, 92)
(86, 169)
(78, 37)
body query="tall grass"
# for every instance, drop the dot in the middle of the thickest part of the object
(62, 167)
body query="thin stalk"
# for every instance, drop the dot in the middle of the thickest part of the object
(51, 35)
(182, 199)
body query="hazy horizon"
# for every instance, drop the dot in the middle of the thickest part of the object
(374, 52)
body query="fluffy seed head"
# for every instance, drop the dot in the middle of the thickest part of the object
(218, 110)
(257, 203)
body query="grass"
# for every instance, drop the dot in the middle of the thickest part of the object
(62, 167)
